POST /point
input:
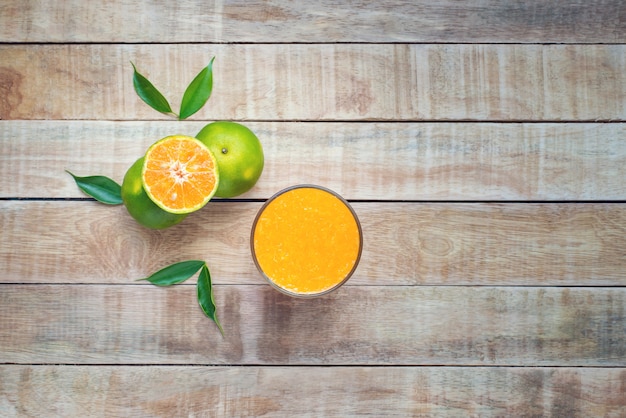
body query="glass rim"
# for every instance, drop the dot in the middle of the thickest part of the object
(338, 284)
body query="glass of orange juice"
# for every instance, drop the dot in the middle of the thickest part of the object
(306, 241)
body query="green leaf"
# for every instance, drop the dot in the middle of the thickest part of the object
(205, 296)
(198, 92)
(149, 94)
(101, 188)
(175, 273)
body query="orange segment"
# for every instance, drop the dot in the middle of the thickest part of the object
(180, 174)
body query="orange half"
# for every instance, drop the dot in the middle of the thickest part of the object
(180, 174)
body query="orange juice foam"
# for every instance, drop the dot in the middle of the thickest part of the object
(306, 240)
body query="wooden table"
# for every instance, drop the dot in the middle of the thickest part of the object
(482, 145)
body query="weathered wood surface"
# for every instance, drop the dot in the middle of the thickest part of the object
(507, 298)
(381, 161)
(600, 21)
(404, 243)
(379, 325)
(322, 82)
(169, 391)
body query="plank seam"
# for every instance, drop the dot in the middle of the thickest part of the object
(355, 121)
(417, 201)
(310, 365)
(353, 286)
(35, 43)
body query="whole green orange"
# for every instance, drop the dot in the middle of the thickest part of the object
(239, 156)
(139, 204)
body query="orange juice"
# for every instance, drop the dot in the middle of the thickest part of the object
(306, 240)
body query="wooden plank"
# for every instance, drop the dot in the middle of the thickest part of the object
(322, 82)
(384, 161)
(404, 243)
(165, 391)
(301, 21)
(358, 325)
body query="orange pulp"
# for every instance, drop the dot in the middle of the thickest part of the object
(180, 174)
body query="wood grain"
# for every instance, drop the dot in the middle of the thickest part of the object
(404, 243)
(301, 21)
(481, 143)
(167, 391)
(322, 82)
(382, 161)
(357, 325)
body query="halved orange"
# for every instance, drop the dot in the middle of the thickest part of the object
(180, 174)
